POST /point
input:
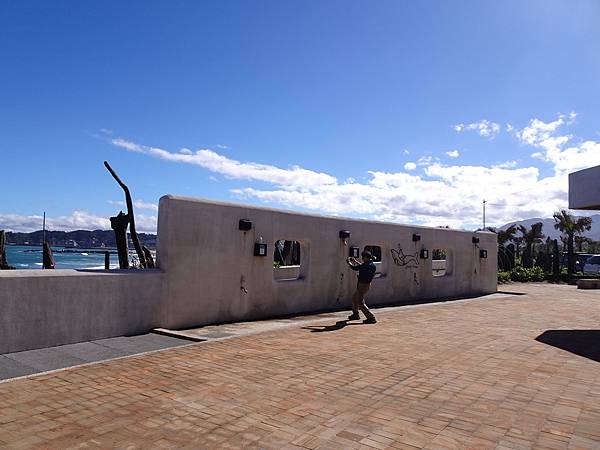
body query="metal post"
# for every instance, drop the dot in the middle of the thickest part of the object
(484, 202)
(106, 260)
(43, 238)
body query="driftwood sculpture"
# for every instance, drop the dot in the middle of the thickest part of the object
(48, 258)
(149, 258)
(119, 225)
(145, 259)
(3, 262)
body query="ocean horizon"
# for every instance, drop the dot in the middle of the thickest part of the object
(30, 257)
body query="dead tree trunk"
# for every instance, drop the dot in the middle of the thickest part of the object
(3, 262)
(119, 224)
(48, 258)
(149, 258)
(134, 236)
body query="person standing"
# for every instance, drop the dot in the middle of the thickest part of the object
(366, 272)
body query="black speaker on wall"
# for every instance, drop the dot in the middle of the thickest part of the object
(245, 225)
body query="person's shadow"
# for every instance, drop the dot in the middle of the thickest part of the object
(323, 328)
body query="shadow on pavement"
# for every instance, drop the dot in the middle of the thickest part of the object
(584, 343)
(320, 329)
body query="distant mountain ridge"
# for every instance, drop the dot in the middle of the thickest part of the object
(548, 227)
(79, 238)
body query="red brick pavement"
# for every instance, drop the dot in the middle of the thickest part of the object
(455, 375)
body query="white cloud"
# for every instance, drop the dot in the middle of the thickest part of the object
(427, 160)
(453, 153)
(405, 152)
(77, 220)
(292, 177)
(127, 145)
(558, 148)
(538, 131)
(507, 164)
(137, 204)
(484, 128)
(440, 195)
(452, 197)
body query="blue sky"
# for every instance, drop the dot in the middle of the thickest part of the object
(395, 110)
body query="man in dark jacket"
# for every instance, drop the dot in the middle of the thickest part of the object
(366, 272)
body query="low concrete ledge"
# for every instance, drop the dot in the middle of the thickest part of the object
(45, 308)
(74, 273)
(588, 284)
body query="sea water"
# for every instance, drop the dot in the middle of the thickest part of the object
(30, 257)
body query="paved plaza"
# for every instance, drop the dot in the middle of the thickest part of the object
(503, 371)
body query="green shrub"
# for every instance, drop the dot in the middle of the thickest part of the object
(524, 274)
(503, 277)
(519, 273)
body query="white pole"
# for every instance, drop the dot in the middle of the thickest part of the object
(43, 238)
(484, 202)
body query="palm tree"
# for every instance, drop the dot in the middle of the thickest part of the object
(530, 237)
(506, 258)
(507, 235)
(580, 241)
(571, 225)
(518, 240)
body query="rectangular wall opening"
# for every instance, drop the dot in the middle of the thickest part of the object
(440, 262)
(286, 260)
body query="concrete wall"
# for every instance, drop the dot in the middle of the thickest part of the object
(212, 275)
(584, 189)
(208, 274)
(43, 308)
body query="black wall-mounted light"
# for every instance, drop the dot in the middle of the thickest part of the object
(354, 252)
(483, 254)
(475, 240)
(424, 253)
(260, 249)
(416, 237)
(245, 225)
(344, 234)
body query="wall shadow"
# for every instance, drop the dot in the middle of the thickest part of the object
(584, 343)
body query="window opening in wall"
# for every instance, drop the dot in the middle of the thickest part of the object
(375, 250)
(439, 262)
(286, 260)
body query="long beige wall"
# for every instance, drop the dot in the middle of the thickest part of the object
(211, 275)
(44, 308)
(208, 274)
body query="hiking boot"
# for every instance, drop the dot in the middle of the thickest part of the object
(354, 316)
(370, 320)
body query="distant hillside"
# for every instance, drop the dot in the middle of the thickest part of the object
(82, 238)
(548, 227)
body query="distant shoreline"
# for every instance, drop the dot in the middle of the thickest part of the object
(76, 240)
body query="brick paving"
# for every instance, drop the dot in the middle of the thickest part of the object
(454, 375)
